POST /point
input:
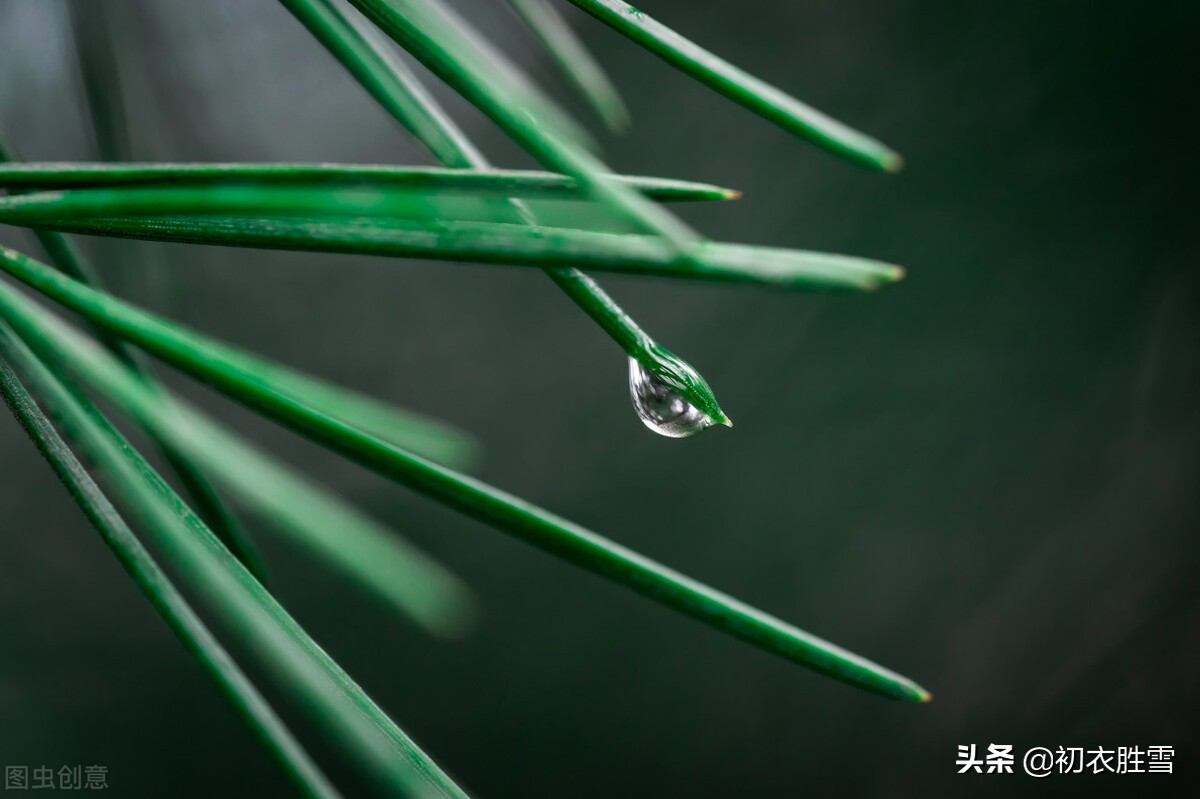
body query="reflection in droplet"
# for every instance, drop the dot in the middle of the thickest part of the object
(661, 407)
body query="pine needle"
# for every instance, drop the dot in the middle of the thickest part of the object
(234, 374)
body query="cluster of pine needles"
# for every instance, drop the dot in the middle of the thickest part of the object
(52, 373)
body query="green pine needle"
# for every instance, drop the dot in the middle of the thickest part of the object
(337, 533)
(430, 437)
(492, 243)
(475, 182)
(100, 69)
(372, 60)
(70, 261)
(359, 47)
(334, 703)
(743, 88)
(235, 374)
(158, 589)
(452, 50)
(400, 92)
(574, 61)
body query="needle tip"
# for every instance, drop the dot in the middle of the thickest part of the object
(617, 120)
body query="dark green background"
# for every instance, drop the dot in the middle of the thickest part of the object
(985, 477)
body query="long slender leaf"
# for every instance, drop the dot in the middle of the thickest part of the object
(158, 589)
(384, 76)
(372, 59)
(351, 201)
(334, 703)
(372, 556)
(450, 48)
(105, 99)
(430, 437)
(518, 245)
(69, 260)
(361, 54)
(235, 372)
(741, 87)
(103, 88)
(477, 182)
(493, 60)
(574, 60)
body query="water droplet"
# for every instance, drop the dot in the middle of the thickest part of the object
(661, 407)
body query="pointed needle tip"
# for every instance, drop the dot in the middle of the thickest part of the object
(615, 116)
(456, 620)
(893, 163)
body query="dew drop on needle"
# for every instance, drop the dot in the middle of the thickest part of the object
(660, 407)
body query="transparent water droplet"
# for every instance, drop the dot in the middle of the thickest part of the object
(661, 407)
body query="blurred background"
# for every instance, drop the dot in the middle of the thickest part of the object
(984, 477)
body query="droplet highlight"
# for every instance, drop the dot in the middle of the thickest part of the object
(661, 407)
